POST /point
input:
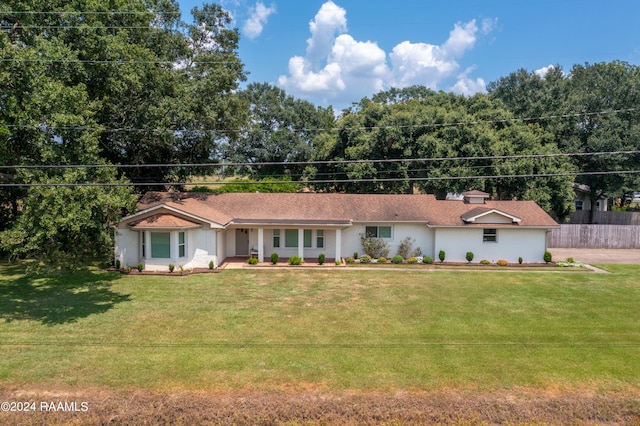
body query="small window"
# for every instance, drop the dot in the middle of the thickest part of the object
(490, 235)
(181, 245)
(144, 248)
(320, 238)
(378, 231)
(579, 204)
(276, 238)
(161, 245)
(307, 238)
(291, 238)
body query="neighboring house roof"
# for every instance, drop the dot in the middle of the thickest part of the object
(322, 209)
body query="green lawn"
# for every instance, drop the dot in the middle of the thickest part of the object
(334, 329)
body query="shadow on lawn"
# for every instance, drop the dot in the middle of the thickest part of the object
(56, 298)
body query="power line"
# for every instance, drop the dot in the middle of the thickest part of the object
(325, 181)
(317, 162)
(320, 129)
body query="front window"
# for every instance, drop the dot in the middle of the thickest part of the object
(144, 248)
(378, 231)
(490, 235)
(320, 238)
(291, 238)
(181, 245)
(276, 238)
(307, 238)
(161, 245)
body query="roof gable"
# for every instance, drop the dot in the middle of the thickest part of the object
(487, 215)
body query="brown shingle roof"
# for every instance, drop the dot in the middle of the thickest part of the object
(162, 220)
(338, 208)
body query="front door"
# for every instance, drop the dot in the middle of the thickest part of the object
(242, 242)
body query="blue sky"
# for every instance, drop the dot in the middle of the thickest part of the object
(337, 52)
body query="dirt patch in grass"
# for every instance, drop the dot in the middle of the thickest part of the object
(311, 407)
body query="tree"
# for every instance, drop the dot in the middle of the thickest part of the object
(280, 129)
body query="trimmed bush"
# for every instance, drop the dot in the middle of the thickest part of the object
(117, 263)
(211, 264)
(412, 259)
(397, 259)
(321, 258)
(171, 267)
(502, 262)
(520, 260)
(351, 260)
(441, 255)
(253, 261)
(427, 259)
(365, 258)
(382, 260)
(485, 262)
(140, 266)
(570, 260)
(338, 262)
(547, 256)
(274, 258)
(469, 256)
(295, 260)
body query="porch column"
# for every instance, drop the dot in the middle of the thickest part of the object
(260, 245)
(338, 244)
(301, 243)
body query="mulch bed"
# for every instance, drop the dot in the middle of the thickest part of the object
(238, 407)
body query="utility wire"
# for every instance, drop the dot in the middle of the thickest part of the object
(318, 162)
(331, 129)
(325, 181)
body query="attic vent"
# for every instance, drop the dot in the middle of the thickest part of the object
(475, 197)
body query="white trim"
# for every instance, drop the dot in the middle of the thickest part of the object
(472, 219)
(145, 212)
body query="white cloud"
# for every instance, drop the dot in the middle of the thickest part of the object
(468, 86)
(259, 14)
(542, 72)
(339, 68)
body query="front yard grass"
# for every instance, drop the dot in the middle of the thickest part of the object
(328, 329)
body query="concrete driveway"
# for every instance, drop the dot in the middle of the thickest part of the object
(628, 256)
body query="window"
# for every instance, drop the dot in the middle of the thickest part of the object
(144, 248)
(307, 238)
(291, 238)
(320, 238)
(276, 238)
(490, 235)
(378, 231)
(181, 245)
(161, 245)
(579, 204)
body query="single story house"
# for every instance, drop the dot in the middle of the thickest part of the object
(192, 229)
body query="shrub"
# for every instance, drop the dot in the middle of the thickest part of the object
(502, 262)
(365, 258)
(171, 267)
(374, 247)
(547, 256)
(570, 260)
(382, 260)
(469, 256)
(117, 263)
(211, 264)
(181, 268)
(321, 258)
(338, 262)
(355, 255)
(350, 260)
(405, 247)
(140, 266)
(417, 252)
(427, 259)
(485, 262)
(441, 255)
(397, 259)
(274, 258)
(295, 260)
(412, 259)
(253, 261)
(520, 260)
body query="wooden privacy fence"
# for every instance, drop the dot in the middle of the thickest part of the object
(595, 236)
(605, 218)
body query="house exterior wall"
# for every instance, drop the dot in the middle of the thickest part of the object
(127, 247)
(423, 237)
(511, 243)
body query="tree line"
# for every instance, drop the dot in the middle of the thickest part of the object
(131, 84)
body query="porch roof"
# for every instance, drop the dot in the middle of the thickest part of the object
(163, 220)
